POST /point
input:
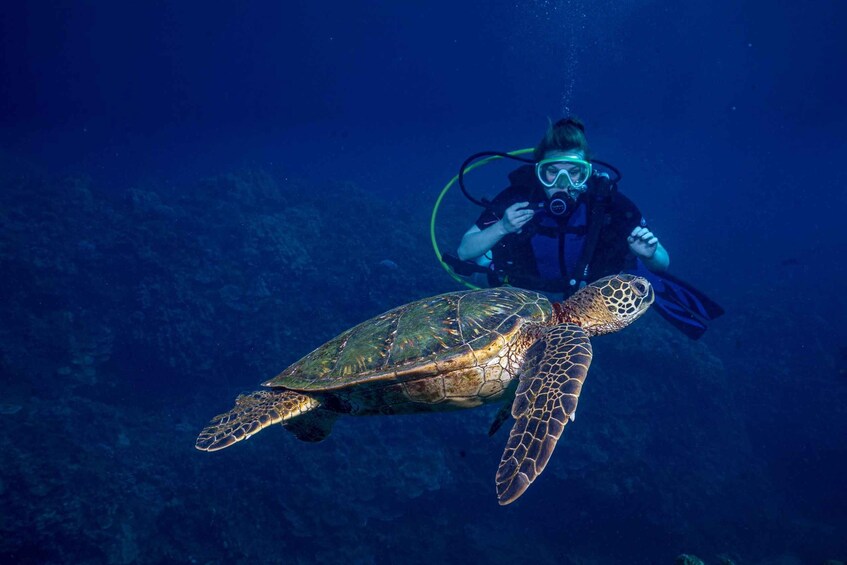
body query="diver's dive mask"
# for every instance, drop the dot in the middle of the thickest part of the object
(563, 172)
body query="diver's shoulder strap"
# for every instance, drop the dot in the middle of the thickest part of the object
(597, 217)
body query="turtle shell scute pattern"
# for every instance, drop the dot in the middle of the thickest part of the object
(423, 338)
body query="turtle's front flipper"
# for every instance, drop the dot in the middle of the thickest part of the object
(550, 382)
(252, 413)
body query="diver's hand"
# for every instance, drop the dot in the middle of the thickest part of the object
(642, 242)
(515, 217)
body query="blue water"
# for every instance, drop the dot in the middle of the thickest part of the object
(195, 195)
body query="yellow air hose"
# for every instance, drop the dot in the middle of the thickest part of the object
(447, 187)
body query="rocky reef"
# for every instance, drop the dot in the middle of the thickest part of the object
(131, 318)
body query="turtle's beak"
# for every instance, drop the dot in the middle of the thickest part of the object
(651, 296)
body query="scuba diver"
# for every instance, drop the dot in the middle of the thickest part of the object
(562, 224)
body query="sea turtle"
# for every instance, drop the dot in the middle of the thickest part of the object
(455, 350)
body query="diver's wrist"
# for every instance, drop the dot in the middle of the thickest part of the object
(658, 259)
(500, 229)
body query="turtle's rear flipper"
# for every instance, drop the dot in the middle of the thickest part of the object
(550, 382)
(501, 416)
(252, 413)
(312, 427)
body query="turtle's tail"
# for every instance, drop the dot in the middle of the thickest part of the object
(253, 412)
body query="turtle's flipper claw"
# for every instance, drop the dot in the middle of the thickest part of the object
(252, 413)
(546, 398)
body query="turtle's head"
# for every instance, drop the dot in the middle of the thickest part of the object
(609, 304)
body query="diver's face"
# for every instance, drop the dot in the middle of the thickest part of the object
(571, 169)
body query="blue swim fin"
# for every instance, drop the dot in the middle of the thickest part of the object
(685, 307)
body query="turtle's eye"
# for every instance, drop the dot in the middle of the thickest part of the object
(640, 288)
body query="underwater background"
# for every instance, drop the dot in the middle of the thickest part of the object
(193, 195)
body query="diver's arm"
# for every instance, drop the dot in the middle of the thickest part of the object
(477, 242)
(659, 261)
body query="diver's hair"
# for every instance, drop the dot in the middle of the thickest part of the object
(565, 135)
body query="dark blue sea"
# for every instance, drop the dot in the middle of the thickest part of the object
(195, 195)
